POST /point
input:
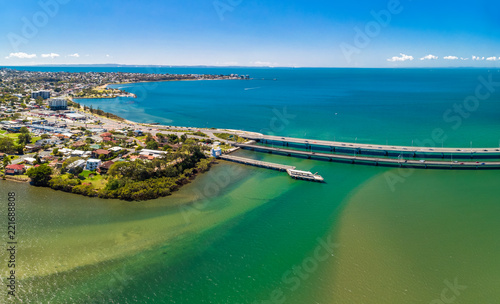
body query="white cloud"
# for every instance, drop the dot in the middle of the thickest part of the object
(462, 58)
(451, 57)
(107, 55)
(492, 58)
(477, 58)
(51, 55)
(402, 58)
(262, 63)
(20, 55)
(76, 55)
(429, 57)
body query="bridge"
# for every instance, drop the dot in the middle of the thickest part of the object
(376, 161)
(376, 150)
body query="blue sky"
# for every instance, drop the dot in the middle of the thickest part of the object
(418, 33)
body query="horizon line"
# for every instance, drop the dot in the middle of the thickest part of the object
(231, 66)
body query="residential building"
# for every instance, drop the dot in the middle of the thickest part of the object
(79, 163)
(104, 167)
(57, 104)
(216, 151)
(43, 94)
(92, 164)
(97, 153)
(14, 169)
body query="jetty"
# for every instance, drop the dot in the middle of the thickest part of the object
(257, 163)
(295, 174)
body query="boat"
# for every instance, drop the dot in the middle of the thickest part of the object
(305, 175)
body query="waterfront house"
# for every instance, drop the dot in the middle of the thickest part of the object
(216, 152)
(14, 169)
(76, 164)
(104, 167)
(92, 164)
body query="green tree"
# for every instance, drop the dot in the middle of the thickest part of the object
(40, 176)
(39, 100)
(6, 161)
(7, 145)
(152, 145)
(24, 138)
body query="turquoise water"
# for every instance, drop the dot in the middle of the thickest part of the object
(394, 106)
(241, 234)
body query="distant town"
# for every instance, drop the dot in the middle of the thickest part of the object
(50, 140)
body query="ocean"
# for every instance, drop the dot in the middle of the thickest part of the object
(242, 234)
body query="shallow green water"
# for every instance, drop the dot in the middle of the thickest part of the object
(249, 229)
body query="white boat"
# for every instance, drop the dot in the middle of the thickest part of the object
(305, 175)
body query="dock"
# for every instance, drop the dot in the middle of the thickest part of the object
(257, 163)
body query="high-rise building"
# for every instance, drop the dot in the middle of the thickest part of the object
(43, 94)
(56, 104)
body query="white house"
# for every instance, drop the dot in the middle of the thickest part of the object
(155, 153)
(30, 160)
(216, 152)
(78, 153)
(92, 164)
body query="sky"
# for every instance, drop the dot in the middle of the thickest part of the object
(292, 33)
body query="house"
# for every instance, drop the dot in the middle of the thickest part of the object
(79, 144)
(106, 134)
(65, 151)
(104, 167)
(115, 149)
(97, 153)
(76, 164)
(154, 153)
(32, 148)
(216, 152)
(175, 147)
(92, 164)
(146, 157)
(30, 160)
(14, 169)
(77, 153)
(107, 139)
(44, 142)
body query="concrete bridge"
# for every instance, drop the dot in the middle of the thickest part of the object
(323, 146)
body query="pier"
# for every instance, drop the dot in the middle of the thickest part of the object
(257, 163)
(377, 161)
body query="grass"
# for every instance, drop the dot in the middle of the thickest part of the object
(14, 136)
(230, 137)
(97, 180)
(225, 147)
